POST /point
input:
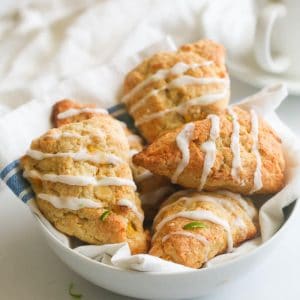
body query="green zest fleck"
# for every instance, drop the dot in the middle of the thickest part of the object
(193, 225)
(229, 117)
(72, 294)
(105, 215)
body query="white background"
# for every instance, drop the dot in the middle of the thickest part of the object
(29, 269)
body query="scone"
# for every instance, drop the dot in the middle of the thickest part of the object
(170, 89)
(153, 189)
(235, 150)
(68, 111)
(193, 227)
(83, 183)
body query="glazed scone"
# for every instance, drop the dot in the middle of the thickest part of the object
(67, 111)
(193, 227)
(153, 189)
(235, 150)
(172, 88)
(83, 183)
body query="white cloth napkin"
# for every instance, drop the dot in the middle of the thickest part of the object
(46, 42)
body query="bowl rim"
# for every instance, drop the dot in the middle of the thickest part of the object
(225, 264)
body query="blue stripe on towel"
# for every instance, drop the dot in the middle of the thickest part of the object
(17, 183)
(9, 168)
(117, 107)
(119, 112)
(30, 195)
(12, 174)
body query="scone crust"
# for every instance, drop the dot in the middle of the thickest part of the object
(66, 104)
(163, 156)
(169, 98)
(97, 134)
(152, 189)
(190, 251)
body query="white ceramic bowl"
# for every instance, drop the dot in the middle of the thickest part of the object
(180, 285)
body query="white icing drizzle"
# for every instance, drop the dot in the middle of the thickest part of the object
(188, 197)
(225, 202)
(249, 209)
(191, 80)
(235, 145)
(210, 149)
(145, 175)
(206, 198)
(74, 112)
(177, 69)
(57, 134)
(177, 195)
(83, 154)
(72, 203)
(92, 132)
(198, 237)
(95, 133)
(199, 215)
(132, 206)
(183, 141)
(178, 82)
(182, 197)
(182, 67)
(181, 109)
(257, 179)
(144, 100)
(80, 180)
(238, 222)
(202, 100)
(189, 201)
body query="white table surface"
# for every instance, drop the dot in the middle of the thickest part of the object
(29, 269)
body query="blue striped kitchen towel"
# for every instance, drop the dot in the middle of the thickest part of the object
(12, 173)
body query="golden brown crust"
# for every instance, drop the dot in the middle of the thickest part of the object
(152, 189)
(163, 156)
(188, 250)
(172, 97)
(97, 135)
(66, 104)
(209, 50)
